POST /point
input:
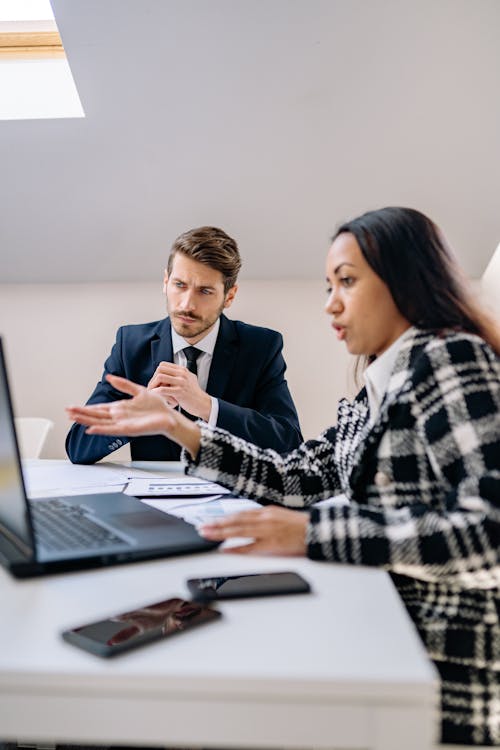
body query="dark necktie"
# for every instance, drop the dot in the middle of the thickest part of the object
(191, 353)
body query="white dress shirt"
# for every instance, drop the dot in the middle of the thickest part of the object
(378, 374)
(376, 377)
(206, 345)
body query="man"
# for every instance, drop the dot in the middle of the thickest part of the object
(224, 372)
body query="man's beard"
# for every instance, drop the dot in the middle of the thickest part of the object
(196, 330)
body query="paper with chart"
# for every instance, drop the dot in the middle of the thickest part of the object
(180, 486)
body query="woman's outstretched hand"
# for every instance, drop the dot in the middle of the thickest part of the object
(145, 413)
(274, 531)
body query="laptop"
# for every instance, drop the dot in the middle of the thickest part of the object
(57, 534)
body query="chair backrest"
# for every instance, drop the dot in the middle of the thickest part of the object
(31, 435)
(490, 282)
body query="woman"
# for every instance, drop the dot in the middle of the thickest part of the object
(415, 458)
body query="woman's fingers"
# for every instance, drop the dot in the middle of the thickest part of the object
(241, 524)
(145, 413)
(89, 414)
(124, 385)
(272, 530)
(100, 419)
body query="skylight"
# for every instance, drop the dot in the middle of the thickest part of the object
(26, 10)
(35, 77)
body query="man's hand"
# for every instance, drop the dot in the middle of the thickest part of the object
(177, 385)
(275, 531)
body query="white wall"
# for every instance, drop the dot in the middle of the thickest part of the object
(57, 337)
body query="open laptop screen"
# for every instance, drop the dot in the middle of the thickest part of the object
(13, 509)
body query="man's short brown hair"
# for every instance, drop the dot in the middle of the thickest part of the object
(214, 248)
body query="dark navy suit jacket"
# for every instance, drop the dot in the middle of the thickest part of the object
(247, 376)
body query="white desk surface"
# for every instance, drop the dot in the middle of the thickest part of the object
(342, 667)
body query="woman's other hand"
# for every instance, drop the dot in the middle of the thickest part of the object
(273, 530)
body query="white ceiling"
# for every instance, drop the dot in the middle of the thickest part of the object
(275, 119)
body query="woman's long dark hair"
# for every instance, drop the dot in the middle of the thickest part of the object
(409, 253)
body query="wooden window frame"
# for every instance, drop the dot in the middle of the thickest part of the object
(30, 40)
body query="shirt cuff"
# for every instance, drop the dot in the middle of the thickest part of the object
(214, 412)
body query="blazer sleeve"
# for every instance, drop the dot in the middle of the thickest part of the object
(87, 449)
(297, 479)
(456, 406)
(271, 419)
(457, 411)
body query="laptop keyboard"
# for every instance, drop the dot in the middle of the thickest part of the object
(59, 526)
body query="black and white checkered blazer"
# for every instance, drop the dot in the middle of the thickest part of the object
(423, 483)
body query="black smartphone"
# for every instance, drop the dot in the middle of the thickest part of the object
(251, 584)
(140, 626)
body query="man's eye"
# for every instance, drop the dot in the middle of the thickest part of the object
(328, 290)
(206, 291)
(179, 284)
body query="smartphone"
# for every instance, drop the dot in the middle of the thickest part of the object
(140, 626)
(251, 584)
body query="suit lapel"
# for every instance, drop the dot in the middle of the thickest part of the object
(223, 361)
(161, 344)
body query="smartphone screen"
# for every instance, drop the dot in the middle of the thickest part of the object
(130, 629)
(252, 584)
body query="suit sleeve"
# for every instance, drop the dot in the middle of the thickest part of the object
(87, 449)
(271, 421)
(456, 406)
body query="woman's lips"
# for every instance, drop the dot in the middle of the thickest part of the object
(340, 331)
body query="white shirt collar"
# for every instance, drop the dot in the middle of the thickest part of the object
(206, 344)
(378, 374)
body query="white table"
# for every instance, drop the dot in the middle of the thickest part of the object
(340, 668)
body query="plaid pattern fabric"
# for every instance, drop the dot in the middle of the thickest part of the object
(424, 490)
(461, 633)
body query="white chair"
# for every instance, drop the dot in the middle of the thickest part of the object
(490, 283)
(31, 435)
